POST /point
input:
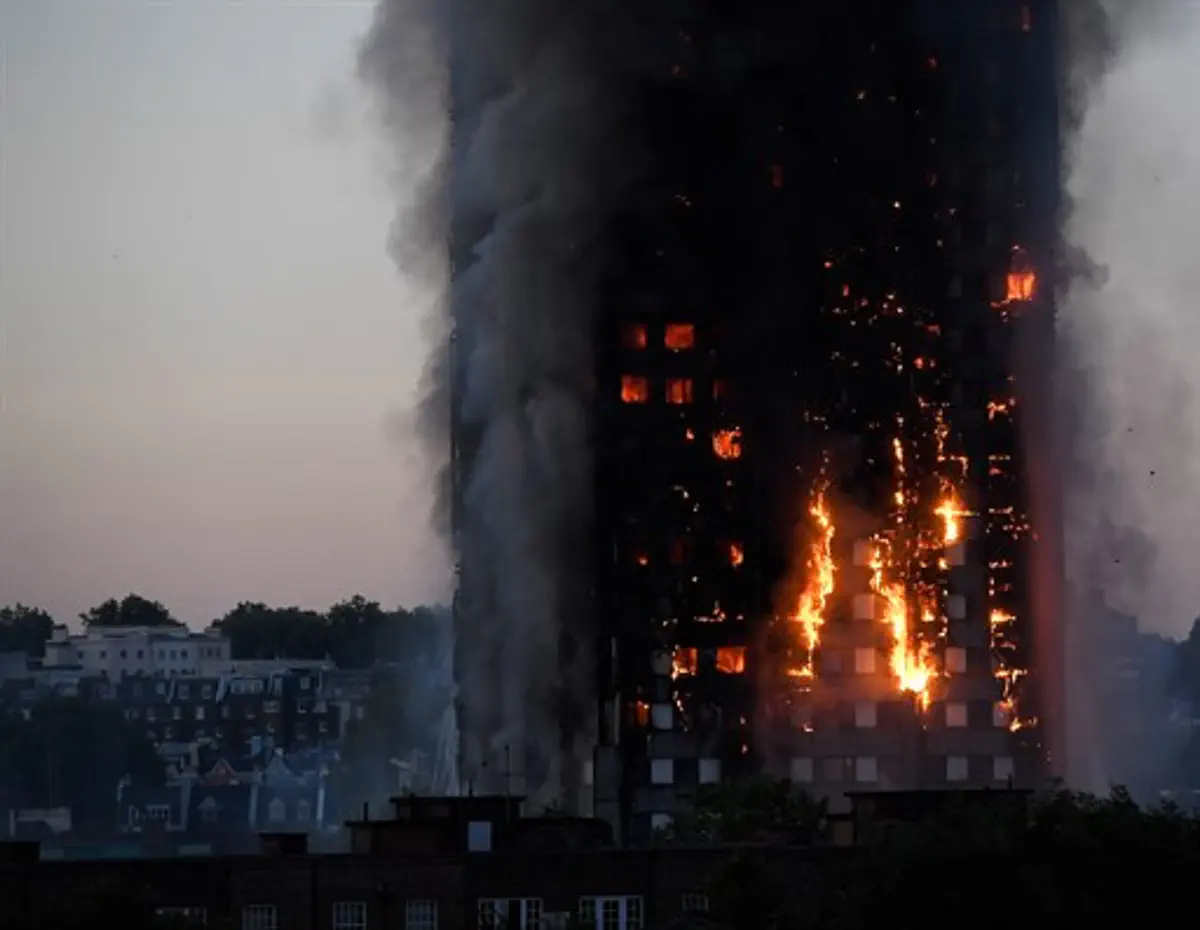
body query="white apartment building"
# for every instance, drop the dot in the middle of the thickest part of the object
(118, 651)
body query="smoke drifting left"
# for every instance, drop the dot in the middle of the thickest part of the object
(514, 190)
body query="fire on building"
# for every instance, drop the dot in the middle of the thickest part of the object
(815, 539)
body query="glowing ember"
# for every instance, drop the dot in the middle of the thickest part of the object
(727, 443)
(810, 610)
(737, 555)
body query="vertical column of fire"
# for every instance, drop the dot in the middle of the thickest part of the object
(1007, 524)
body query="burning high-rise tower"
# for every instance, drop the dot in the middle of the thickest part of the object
(748, 431)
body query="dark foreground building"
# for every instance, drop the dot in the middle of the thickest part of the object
(825, 545)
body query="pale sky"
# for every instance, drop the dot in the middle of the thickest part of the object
(203, 338)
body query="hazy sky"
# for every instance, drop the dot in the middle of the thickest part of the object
(203, 338)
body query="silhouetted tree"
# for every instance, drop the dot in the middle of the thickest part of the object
(25, 629)
(131, 610)
(755, 810)
(71, 752)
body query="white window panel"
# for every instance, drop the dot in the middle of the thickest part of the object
(661, 821)
(510, 913)
(623, 912)
(956, 714)
(662, 771)
(1001, 715)
(864, 552)
(866, 770)
(866, 714)
(864, 661)
(956, 660)
(864, 607)
(1002, 768)
(421, 915)
(710, 771)
(349, 915)
(956, 554)
(662, 716)
(956, 607)
(957, 768)
(802, 769)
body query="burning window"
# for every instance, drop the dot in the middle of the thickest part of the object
(680, 391)
(1022, 280)
(731, 660)
(737, 554)
(679, 336)
(634, 336)
(727, 443)
(642, 558)
(635, 389)
(685, 662)
(641, 713)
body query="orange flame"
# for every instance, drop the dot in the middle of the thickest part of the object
(737, 554)
(727, 443)
(810, 609)
(912, 665)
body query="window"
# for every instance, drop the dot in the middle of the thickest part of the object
(510, 913)
(866, 769)
(635, 389)
(260, 917)
(124, 654)
(184, 916)
(680, 391)
(731, 660)
(633, 336)
(679, 336)
(479, 836)
(183, 691)
(277, 811)
(833, 768)
(615, 913)
(1001, 716)
(420, 915)
(303, 811)
(802, 770)
(956, 768)
(956, 714)
(662, 716)
(694, 902)
(206, 692)
(866, 714)
(199, 713)
(864, 661)
(956, 660)
(956, 607)
(349, 915)
(158, 811)
(1003, 768)
(710, 771)
(662, 771)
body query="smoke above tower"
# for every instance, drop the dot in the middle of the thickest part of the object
(1128, 327)
(511, 189)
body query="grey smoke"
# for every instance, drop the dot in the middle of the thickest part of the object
(1129, 331)
(513, 191)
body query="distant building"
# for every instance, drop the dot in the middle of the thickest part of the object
(115, 652)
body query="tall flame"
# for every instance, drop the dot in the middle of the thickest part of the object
(911, 663)
(809, 612)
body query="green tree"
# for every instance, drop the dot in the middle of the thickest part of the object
(355, 627)
(131, 610)
(25, 629)
(758, 810)
(257, 631)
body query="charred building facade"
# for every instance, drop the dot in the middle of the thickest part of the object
(822, 349)
(816, 541)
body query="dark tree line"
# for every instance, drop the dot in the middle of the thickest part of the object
(70, 752)
(1061, 859)
(354, 633)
